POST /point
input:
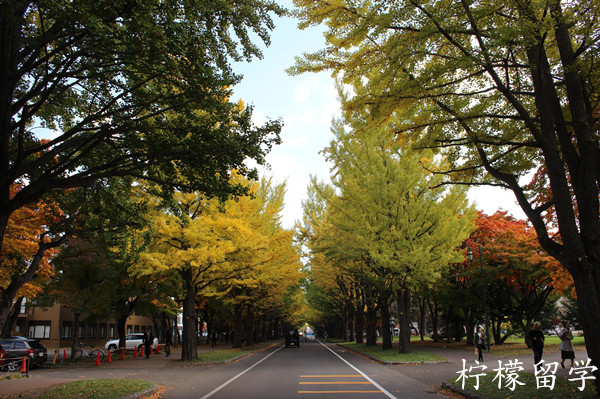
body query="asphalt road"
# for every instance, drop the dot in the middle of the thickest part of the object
(314, 371)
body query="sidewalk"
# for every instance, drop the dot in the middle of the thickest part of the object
(54, 375)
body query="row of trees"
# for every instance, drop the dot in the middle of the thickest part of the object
(123, 93)
(135, 253)
(503, 90)
(380, 233)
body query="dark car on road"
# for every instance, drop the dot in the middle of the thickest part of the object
(292, 338)
(14, 351)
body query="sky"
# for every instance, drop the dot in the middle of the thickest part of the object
(307, 104)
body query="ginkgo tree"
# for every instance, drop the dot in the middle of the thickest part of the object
(389, 217)
(504, 89)
(218, 247)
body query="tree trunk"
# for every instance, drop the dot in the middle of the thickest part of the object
(236, 341)
(403, 297)
(189, 345)
(345, 312)
(434, 311)
(11, 319)
(121, 322)
(249, 329)
(470, 328)
(359, 320)
(371, 323)
(386, 333)
(423, 317)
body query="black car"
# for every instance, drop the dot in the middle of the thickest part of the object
(292, 338)
(40, 353)
(14, 351)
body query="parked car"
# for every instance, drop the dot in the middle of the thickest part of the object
(309, 337)
(14, 351)
(292, 338)
(2, 356)
(40, 353)
(132, 341)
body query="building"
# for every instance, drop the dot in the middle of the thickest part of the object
(54, 326)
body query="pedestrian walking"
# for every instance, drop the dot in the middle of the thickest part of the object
(480, 343)
(168, 337)
(566, 346)
(536, 338)
(148, 338)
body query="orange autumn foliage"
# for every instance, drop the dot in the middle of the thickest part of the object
(504, 237)
(26, 227)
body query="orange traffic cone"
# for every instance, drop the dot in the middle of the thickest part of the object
(24, 365)
(65, 354)
(98, 358)
(135, 352)
(141, 351)
(151, 351)
(109, 359)
(158, 349)
(122, 353)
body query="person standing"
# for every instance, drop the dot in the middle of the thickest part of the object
(168, 337)
(566, 346)
(213, 339)
(480, 343)
(148, 338)
(536, 338)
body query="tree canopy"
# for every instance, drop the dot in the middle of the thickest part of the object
(503, 89)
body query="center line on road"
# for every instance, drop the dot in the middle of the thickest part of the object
(223, 385)
(340, 392)
(389, 395)
(335, 382)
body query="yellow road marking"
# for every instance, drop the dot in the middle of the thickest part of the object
(335, 382)
(339, 391)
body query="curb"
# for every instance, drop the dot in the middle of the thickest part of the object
(387, 362)
(468, 394)
(141, 394)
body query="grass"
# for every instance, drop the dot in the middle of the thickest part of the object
(222, 355)
(563, 388)
(91, 389)
(391, 355)
(513, 346)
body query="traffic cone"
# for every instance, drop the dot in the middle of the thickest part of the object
(158, 349)
(65, 354)
(141, 351)
(109, 358)
(98, 358)
(122, 353)
(151, 351)
(24, 365)
(135, 352)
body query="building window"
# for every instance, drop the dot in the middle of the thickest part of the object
(67, 330)
(129, 329)
(23, 307)
(136, 329)
(102, 330)
(92, 331)
(81, 331)
(39, 330)
(111, 331)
